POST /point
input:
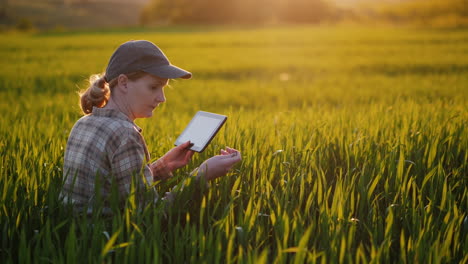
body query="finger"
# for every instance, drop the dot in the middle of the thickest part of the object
(188, 155)
(187, 144)
(229, 150)
(231, 159)
(232, 149)
(184, 145)
(230, 155)
(224, 152)
(234, 154)
(180, 148)
(185, 158)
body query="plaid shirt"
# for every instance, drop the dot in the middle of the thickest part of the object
(106, 143)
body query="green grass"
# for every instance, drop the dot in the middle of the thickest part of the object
(354, 144)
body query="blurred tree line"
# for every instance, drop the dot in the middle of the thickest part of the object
(58, 14)
(238, 11)
(432, 13)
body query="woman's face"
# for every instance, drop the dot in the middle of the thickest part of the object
(145, 94)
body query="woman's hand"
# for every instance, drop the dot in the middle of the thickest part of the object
(219, 165)
(178, 157)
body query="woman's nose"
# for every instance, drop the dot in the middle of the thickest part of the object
(160, 98)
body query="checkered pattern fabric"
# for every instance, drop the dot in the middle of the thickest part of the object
(108, 145)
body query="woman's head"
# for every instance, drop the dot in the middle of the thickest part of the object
(139, 94)
(99, 91)
(140, 70)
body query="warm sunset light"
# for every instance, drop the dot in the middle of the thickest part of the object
(63, 14)
(233, 131)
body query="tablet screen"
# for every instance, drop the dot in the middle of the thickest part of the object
(201, 130)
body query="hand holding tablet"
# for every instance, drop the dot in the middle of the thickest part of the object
(201, 130)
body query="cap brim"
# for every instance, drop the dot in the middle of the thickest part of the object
(169, 71)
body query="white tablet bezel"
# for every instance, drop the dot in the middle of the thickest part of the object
(221, 118)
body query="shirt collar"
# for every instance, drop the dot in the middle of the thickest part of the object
(112, 113)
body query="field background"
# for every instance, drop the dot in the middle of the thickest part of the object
(354, 145)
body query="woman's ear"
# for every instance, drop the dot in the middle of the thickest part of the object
(122, 83)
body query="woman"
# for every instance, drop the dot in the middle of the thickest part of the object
(106, 148)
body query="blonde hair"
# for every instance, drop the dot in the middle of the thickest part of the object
(99, 91)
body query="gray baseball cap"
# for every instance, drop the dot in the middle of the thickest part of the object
(142, 55)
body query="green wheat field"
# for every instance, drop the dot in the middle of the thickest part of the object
(354, 144)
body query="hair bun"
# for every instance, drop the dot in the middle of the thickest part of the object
(97, 94)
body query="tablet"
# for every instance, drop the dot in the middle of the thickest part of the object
(201, 130)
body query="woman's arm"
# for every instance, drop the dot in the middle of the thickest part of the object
(193, 187)
(174, 159)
